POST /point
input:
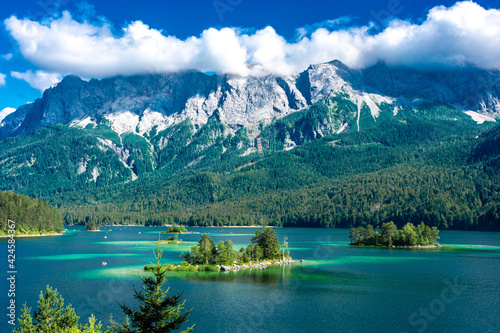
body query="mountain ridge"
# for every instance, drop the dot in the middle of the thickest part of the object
(168, 99)
(85, 140)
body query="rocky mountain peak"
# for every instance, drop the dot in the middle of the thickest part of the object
(163, 100)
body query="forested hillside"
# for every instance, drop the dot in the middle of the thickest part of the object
(439, 171)
(31, 216)
(331, 165)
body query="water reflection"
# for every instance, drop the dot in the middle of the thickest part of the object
(270, 275)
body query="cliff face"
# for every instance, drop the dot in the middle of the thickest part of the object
(169, 99)
(139, 103)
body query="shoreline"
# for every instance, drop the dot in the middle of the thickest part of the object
(167, 226)
(236, 226)
(229, 268)
(401, 246)
(36, 235)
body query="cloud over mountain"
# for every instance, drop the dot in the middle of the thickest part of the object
(465, 33)
(40, 80)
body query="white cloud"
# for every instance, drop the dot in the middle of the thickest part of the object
(328, 24)
(5, 112)
(2, 79)
(40, 80)
(463, 33)
(7, 56)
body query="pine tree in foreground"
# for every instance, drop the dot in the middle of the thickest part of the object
(157, 312)
(53, 317)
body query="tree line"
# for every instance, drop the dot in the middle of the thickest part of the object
(434, 166)
(31, 216)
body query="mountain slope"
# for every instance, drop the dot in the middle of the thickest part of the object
(182, 146)
(341, 180)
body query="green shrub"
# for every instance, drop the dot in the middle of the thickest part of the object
(208, 268)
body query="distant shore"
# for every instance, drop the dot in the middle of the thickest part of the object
(214, 226)
(34, 235)
(238, 226)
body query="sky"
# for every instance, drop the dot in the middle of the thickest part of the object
(41, 41)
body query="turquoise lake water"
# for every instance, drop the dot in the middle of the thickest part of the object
(337, 289)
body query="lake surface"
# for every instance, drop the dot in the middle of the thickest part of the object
(337, 289)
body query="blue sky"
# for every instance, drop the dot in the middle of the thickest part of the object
(43, 40)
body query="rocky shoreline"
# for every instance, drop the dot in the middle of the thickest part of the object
(417, 247)
(260, 265)
(227, 268)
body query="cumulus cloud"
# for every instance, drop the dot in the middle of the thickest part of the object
(40, 80)
(465, 33)
(5, 112)
(328, 24)
(7, 56)
(2, 79)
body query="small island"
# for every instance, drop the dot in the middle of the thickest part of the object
(170, 240)
(389, 236)
(92, 226)
(177, 229)
(264, 249)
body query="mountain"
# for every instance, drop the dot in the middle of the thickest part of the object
(140, 103)
(182, 147)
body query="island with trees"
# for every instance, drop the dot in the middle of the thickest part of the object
(265, 249)
(170, 240)
(389, 236)
(177, 229)
(92, 226)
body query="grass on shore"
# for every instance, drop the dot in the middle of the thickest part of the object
(185, 268)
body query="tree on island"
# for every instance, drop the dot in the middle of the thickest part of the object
(268, 241)
(91, 226)
(265, 245)
(175, 229)
(389, 235)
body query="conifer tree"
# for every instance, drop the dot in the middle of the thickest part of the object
(268, 241)
(51, 316)
(157, 312)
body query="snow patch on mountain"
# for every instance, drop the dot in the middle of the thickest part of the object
(249, 151)
(123, 122)
(342, 128)
(83, 123)
(479, 118)
(123, 154)
(82, 167)
(371, 100)
(150, 119)
(95, 174)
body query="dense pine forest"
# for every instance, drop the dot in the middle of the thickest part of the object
(30, 216)
(444, 174)
(432, 164)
